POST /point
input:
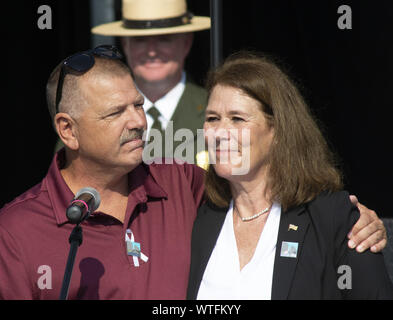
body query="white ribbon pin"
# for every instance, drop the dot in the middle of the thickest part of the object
(134, 248)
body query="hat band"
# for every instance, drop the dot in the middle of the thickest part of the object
(159, 23)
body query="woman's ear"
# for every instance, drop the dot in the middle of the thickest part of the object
(66, 129)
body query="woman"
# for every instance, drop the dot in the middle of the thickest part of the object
(275, 223)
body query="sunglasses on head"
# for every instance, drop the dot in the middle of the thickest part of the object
(82, 62)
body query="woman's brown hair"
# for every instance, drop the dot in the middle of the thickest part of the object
(300, 165)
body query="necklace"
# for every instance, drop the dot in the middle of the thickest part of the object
(254, 216)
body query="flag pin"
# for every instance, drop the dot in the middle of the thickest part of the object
(292, 227)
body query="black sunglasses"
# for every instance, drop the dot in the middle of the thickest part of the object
(82, 62)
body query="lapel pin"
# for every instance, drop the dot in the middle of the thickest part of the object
(292, 227)
(289, 249)
(199, 107)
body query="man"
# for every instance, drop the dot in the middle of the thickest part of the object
(101, 121)
(98, 114)
(156, 37)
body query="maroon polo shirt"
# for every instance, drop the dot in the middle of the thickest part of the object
(160, 212)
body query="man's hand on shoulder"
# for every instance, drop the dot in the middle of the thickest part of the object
(368, 232)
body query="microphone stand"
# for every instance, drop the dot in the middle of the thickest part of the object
(75, 241)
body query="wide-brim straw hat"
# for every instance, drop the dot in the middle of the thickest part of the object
(153, 17)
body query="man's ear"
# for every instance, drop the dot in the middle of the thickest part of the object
(66, 129)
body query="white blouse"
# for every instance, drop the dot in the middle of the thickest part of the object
(223, 279)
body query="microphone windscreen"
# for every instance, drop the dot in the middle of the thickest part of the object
(74, 214)
(94, 193)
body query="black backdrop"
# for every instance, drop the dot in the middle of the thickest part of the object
(345, 75)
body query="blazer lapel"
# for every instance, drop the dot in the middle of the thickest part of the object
(293, 227)
(206, 230)
(189, 112)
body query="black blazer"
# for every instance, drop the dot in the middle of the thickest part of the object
(322, 227)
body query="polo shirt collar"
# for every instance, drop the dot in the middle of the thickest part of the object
(142, 186)
(141, 180)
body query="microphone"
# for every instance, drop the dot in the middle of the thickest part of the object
(85, 202)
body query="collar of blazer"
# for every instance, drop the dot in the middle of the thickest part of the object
(189, 112)
(208, 226)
